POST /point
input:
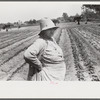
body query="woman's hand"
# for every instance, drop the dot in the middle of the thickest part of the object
(39, 67)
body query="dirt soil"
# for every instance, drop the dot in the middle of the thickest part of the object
(80, 45)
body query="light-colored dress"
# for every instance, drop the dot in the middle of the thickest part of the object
(52, 60)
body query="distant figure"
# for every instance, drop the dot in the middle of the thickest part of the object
(6, 29)
(44, 56)
(19, 24)
(85, 21)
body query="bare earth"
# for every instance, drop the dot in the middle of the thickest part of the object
(80, 45)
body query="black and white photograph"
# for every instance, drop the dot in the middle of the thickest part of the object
(49, 41)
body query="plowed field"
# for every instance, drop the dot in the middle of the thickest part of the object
(80, 45)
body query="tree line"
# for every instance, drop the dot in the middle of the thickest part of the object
(90, 12)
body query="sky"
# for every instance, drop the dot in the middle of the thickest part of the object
(24, 11)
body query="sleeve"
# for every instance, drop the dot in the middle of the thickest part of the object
(32, 52)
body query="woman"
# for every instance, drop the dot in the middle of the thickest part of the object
(45, 56)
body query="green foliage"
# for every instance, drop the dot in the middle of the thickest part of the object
(31, 21)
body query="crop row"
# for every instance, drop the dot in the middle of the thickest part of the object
(65, 44)
(13, 46)
(93, 39)
(13, 60)
(11, 66)
(93, 30)
(20, 74)
(15, 31)
(75, 51)
(87, 61)
(11, 53)
(13, 40)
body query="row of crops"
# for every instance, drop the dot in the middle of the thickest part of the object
(12, 47)
(80, 45)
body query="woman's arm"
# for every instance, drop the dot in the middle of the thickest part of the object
(31, 53)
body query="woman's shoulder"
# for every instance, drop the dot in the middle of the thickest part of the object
(40, 41)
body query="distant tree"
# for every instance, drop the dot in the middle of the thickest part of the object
(71, 18)
(88, 14)
(65, 16)
(34, 21)
(77, 18)
(91, 12)
(93, 7)
(30, 22)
